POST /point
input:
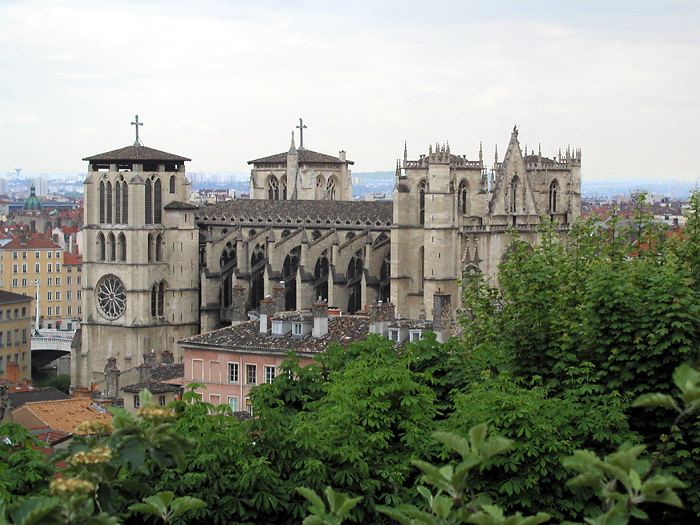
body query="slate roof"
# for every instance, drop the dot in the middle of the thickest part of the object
(246, 336)
(179, 205)
(65, 414)
(11, 297)
(17, 399)
(350, 213)
(163, 372)
(133, 153)
(306, 156)
(154, 387)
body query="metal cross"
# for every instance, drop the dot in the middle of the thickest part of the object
(137, 142)
(301, 128)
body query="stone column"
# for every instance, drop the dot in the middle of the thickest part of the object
(320, 311)
(238, 297)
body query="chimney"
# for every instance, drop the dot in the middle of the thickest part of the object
(13, 373)
(380, 316)
(81, 391)
(112, 378)
(145, 372)
(320, 311)
(238, 314)
(342, 156)
(442, 315)
(149, 358)
(278, 295)
(267, 310)
(167, 357)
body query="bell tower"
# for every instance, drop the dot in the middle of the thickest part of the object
(140, 278)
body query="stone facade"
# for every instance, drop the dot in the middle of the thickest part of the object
(450, 218)
(141, 269)
(302, 242)
(301, 174)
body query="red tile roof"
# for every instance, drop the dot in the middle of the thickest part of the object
(70, 259)
(32, 244)
(65, 414)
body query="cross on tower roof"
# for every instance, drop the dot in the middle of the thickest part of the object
(137, 142)
(301, 128)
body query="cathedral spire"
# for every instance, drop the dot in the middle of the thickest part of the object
(292, 147)
(481, 153)
(405, 153)
(495, 156)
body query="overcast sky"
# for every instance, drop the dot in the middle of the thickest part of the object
(223, 82)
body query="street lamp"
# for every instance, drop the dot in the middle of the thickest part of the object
(36, 314)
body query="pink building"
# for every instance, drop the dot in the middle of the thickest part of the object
(232, 360)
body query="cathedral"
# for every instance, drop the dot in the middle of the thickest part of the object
(158, 269)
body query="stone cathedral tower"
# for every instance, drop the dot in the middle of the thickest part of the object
(452, 219)
(141, 284)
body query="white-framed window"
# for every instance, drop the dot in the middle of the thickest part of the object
(48, 255)
(297, 328)
(24, 255)
(24, 282)
(49, 311)
(161, 400)
(37, 267)
(79, 294)
(69, 281)
(14, 283)
(49, 281)
(269, 373)
(15, 268)
(58, 281)
(233, 373)
(14, 255)
(58, 310)
(58, 294)
(37, 255)
(251, 374)
(415, 335)
(58, 255)
(58, 267)
(49, 267)
(70, 310)
(80, 279)
(80, 310)
(137, 399)
(69, 295)
(248, 406)
(233, 403)
(24, 268)
(49, 296)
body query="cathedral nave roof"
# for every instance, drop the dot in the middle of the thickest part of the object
(306, 156)
(137, 153)
(351, 213)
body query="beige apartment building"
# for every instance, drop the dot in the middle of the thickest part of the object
(72, 285)
(25, 260)
(15, 329)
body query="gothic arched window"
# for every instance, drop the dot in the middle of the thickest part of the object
(158, 299)
(159, 247)
(118, 202)
(273, 189)
(553, 191)
(514, 195)
(161, 299)
(321, 271)
(125, 203)
(149, 202)
(121, 247)
(102, 201)
(354, 276)
(111, 247)
(330, 189)
(462, 195)
(100, 246)
(108, 190)
(157, 203)
(422, 188)
(283, 187)
(151, 250)
(172, 184)
(320, 188)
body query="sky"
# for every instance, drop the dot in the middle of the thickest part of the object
(224, 82)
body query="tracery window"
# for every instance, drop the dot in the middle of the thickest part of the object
(100, 246)
(109, 201)
(121, 247)
(149, 202)
(111, 247)
(514, 195)
(273, 189)
(172, 184)
(422, 188)
(283, 187)
(330, 189)
(320, 188)
(157, 203)
(102, 201)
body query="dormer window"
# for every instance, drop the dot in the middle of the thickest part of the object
(415, 335)
(297, 329)
(394, 334)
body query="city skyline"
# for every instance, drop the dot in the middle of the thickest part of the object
(223, 83)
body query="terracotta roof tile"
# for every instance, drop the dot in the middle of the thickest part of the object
(35, 243)
(72, 259)
(66, 414)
